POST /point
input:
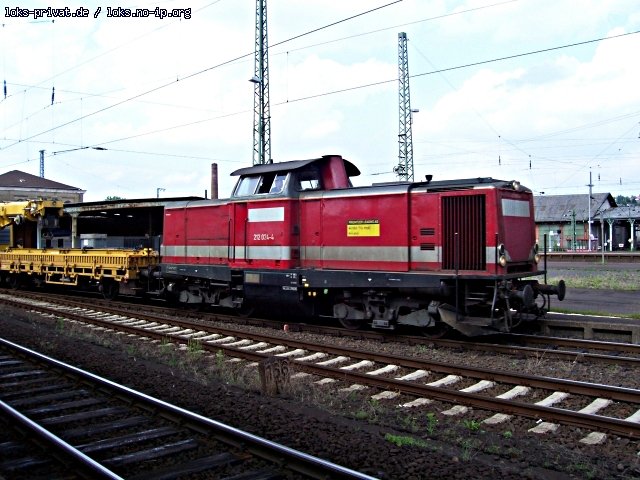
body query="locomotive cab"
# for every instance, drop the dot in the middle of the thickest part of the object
(290, 178)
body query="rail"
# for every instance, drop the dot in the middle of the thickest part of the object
(560, 415)
(283, 459)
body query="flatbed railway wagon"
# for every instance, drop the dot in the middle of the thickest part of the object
(110, 271)
(297, 236)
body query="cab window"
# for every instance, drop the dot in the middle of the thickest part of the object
(308, 181)
(265, 183)
(278, 183)
(247, 186)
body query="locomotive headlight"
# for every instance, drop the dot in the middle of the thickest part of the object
(516, 185)
(536, 255)
(502, 255)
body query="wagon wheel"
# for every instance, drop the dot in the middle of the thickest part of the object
(14, 281)
(110, 289)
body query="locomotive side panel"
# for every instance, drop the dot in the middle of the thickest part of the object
(265, 234)
(206, 234)
(197, 235)
(311, 228)
(517, 230)
(426, 231)
(364, 231)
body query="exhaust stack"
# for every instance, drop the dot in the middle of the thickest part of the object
(214, 181)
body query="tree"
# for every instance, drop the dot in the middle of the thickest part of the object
(114, 197)
(623, 200)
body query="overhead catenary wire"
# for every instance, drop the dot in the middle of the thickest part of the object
(467, 65)
(108, 134)
(368, 85)
(200, 72)
(437, 17)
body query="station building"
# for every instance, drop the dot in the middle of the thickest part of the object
(114, 224)
(577, 223)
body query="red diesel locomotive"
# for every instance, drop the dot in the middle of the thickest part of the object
(297, 236)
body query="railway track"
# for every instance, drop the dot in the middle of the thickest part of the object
(74, 424)
(533, 346)
(397, 379)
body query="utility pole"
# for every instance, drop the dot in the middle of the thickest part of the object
(573, 224)
(602, 235)
(404, 169)
(41, 163)
(632, 235)
(261, 109)
(589, 219)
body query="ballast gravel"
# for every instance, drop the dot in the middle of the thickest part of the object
(349, 428)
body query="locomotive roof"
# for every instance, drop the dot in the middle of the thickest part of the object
(461, 183)
(352, 170)
(474, 182)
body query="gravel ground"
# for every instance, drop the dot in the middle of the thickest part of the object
(349, 428)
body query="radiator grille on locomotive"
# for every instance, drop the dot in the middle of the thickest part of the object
(464, 215)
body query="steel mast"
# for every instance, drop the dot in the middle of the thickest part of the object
(404, 169)
(41, 163)
(261, 110)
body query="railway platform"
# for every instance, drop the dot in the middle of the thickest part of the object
(598, 315)
(583, 256)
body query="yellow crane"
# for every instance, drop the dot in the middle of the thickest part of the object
(112, 271)
(32, 210)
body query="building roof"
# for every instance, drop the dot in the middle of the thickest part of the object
(623, 212)
(123, 204)
(18, 179)
(559, 208)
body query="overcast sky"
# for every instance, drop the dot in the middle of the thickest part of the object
(153, 94)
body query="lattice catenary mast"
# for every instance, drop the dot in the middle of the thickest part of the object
(41, 163)
(404, 169)
(261, 111)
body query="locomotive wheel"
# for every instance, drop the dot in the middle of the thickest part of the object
(439, 330)
(246, 310)
(351, 324)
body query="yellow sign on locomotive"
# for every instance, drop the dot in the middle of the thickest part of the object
(363, 228)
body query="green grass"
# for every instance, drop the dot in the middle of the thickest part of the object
(472, 425)
(469, 450)
(432, 422)
(597, 278)
(402, 441)
(194, 346)
(60, 324)
(595, 313)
